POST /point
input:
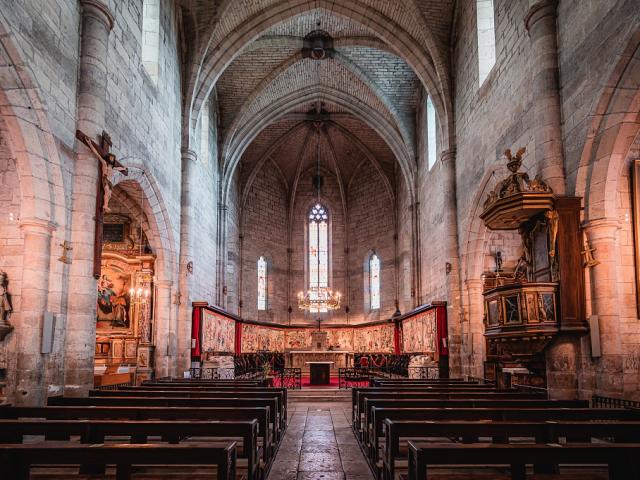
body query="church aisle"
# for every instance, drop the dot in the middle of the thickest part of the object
(319, 445)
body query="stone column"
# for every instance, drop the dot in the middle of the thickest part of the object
(97, 22)
(450, 208)
(476, 338)
(221, 245)
(30, 389)
(541, 25)
(602, 234)
(187, 240)
(163, 329)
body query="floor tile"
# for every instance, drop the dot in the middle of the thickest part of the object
(319, 445)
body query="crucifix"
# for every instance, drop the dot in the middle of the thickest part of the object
(108, 166)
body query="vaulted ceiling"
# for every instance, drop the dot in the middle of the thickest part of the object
(367, 90)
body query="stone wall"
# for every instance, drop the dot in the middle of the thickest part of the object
(265, 233)
(371, 230)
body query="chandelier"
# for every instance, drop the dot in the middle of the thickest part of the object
(319, 299)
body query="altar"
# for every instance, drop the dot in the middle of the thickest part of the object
(300, 358)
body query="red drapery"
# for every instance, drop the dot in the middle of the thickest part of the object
(441, 324)
(196, 323)
(238, 345)
(396, 339)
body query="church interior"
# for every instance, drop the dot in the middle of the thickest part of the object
(320, 239)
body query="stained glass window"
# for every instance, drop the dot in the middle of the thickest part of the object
(262, 284)
(432, 144)
(318, 252)
(374, 282)
(486, 39)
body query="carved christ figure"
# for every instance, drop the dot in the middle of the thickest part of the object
(108, 164)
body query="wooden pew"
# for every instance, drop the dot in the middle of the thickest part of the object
(363, 428)
(95, 431)
(272, 403)
(359, 394)
(380, 415)
(280, 394)
(500, 432)
(623, 459)
(433, 380)
(261, 414)
(365, 401)
(17, 459)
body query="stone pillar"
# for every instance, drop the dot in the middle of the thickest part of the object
(416, 259)
(541, 25)
(221, 245)
(187, 240)
(602, 234)
(163, 329)
(452, 260)
(30, 389)
(97, 22)
(477, 346)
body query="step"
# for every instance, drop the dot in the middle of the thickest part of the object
(309, 395)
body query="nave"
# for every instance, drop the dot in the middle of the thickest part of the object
(319, 444)
(393, 429)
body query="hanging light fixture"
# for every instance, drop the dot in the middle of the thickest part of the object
(318, 298)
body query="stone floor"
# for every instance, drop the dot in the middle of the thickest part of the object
(319, 445)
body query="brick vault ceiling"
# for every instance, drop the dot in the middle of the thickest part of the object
(363, 70)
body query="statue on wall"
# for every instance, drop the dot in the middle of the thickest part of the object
(5, 306)
(5, 299)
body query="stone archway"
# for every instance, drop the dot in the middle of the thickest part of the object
(605, 156)
(40, 221)
(138, 192)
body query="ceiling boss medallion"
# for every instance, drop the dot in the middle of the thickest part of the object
(318, 45)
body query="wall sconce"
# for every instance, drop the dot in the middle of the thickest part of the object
(447, 268)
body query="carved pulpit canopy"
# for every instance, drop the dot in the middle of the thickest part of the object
(517, 198)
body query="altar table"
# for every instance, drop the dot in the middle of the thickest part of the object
(320, 372)
(299, 358)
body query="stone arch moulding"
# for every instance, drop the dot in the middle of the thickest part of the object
(616, 122)
(159, 224)
(233, 153)
(30, 138)
(428, 63)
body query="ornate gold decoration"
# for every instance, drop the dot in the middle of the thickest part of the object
(552, 218)
(517, 182)
(517, 198)
(66, 247)
(587, 255)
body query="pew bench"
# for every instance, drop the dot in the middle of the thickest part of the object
(497, 432)
(623, 460)
(280, 394)
(380, 415)
(363, 427)
(16, 460)
(138, 432)
(261, 414)
(271, 403)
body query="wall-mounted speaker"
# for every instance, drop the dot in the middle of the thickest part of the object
(594, 332)
(48, 329)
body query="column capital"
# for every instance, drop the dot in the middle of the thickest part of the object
(539, 10)
(164, 284)
(189, 154)
(473, 283)
(448, 155)
(601, 228)
(98, 10)
(37, 226)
